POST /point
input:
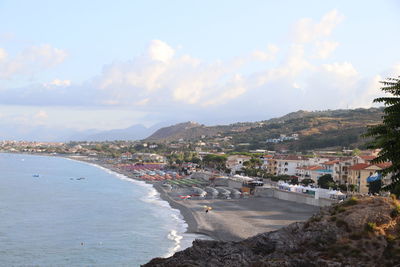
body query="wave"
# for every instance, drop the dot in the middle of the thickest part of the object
(178, 225)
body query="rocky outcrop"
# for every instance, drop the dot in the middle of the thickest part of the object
(357, 232)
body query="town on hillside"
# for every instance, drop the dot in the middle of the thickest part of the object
(346, 171)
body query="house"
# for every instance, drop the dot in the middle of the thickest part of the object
(287, 165)
(235, 162)
(318, 172)
(306, 172)
(126, 156)
(282, 138)
(333, 165)
(361, 171)
(265, 159)
(365, 158)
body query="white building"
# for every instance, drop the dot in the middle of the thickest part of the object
(235, 162)
(287, 165)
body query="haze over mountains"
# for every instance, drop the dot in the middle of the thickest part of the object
(316, 129)
(48, 134)
(313, 125)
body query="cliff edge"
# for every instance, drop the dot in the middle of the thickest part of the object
(356, 232)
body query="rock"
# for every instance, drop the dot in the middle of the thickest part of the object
(359, 232)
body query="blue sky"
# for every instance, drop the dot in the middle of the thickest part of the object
(111, 64)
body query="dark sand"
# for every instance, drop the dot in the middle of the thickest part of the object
(236, 219)
(230, 219)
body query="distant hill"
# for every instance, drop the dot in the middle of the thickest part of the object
(177, 131)
(194, 130)
(135, 132)
(316, 129)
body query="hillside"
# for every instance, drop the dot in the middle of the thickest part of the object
(193, 131)
(363, 232)
(318, 129)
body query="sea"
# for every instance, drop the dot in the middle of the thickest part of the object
(60, 212)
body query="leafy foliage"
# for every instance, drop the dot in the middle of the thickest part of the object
(307, 181)
(325, 181)
(387, 134)
(215, 161)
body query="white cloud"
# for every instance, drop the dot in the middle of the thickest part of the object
(325, 48)
(30, 61)
(364, 96)
(3, 54)
(270, 54)
(296, 85)
(142, 102)
(57, 82)
(345, 69)
(41, 114)
(162, 77)
(306, 30)
(165, 82)
(160, 51)
(394, 71)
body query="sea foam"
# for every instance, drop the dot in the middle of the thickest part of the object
(178, 225)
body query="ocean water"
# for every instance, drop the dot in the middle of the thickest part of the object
(105, 219)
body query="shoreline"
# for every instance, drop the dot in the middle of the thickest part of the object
(229, 220)
(188, 217)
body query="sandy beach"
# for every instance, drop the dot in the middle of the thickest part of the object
(229, 219)
(236, 219)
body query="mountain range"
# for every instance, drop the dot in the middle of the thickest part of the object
(316, 129)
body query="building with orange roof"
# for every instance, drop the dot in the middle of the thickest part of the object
(359, 173)
(308, 172)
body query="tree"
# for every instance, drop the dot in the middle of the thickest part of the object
(215, 161)
(253, 163)
(196, 160)
(352, 187)
(325, 181)
(386, 135)
(307, 181)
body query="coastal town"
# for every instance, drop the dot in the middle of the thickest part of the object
(200, 133)
(347, 171)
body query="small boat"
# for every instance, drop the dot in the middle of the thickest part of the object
(80, 178)
(35, 175)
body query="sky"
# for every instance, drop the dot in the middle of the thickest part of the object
(112, 64)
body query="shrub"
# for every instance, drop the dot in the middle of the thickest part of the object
(395, 212)
(370, 227)
(315, 218)
(332, 219)
(341, 209)
(351, 201)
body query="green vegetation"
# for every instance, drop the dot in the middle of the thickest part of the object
(396, 211)
(387, 134)
(307, 181)
(319, 129)
(326, 181)
(352, 201)
(370, 227)
(215, 161)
